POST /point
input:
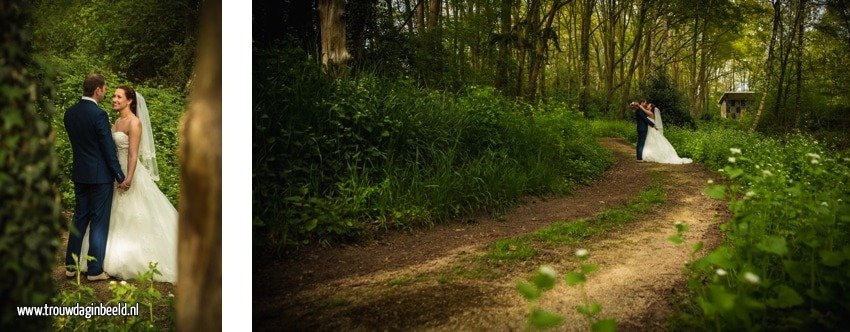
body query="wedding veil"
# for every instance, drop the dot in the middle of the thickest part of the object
(147, 152)
(658, 123)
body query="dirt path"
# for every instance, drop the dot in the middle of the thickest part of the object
(427, 280)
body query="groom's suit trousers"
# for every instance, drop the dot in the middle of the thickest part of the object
(92, 210)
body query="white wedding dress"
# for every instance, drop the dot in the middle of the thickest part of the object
(142, 227)
(657, 148)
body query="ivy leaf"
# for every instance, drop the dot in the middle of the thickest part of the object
(543, 319)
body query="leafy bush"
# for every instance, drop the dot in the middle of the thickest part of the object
(141, 40)
(785, 261)
(148, 303)
(335, 160)
(669, 100)
(30, 222)
(165, 105)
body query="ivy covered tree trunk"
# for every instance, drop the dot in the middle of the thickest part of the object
(199, 245)
(334, 49)
(30, 222)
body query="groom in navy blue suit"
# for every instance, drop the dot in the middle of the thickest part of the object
(94, 171)
(643, 124)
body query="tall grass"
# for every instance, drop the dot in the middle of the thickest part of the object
(785, 263)
(338, 160)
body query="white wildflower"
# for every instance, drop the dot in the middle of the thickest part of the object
(815, 162)
(710, 181)
(677, 223)
(581, 253)
(123, 283)
(721, 272)
(112, 282)
(735, 150)
(549, 271)
(731, 159)
(813, 155)
(750, 193)
(751, 277)
(824, 204)
(767, 173)
(170, 294)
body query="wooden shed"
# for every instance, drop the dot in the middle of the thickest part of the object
(733, 105)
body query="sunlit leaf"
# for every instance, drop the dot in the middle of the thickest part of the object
(786, 298)
(832, 258)
(774, 245)
(697, 247)
(604, 325)
(716, 191)
(575, 278)
(675, 239)
(543, 319)
(528, 290)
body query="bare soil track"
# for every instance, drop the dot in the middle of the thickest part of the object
(431, 279)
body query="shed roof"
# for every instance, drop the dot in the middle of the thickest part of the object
(731, 95)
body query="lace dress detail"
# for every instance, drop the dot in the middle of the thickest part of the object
(142, 226)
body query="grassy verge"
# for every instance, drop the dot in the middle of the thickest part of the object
(527, 249)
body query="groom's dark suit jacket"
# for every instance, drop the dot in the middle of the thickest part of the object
(643, 122)
(95, 158)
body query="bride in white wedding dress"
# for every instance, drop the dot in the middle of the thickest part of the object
(657, 148)
(143, 223)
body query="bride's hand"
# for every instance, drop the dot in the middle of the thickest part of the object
(126, 184)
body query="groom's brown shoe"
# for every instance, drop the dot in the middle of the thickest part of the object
(101, 276)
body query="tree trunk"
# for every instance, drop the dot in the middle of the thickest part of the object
(587, 15)
(642, 12)
(334, 50)
(420, 15)
(434, 14)
(801, 23)
(776, 18)
(504, 44)
(198, 290)
(781, 85)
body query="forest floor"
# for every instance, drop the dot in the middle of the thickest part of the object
(443, 278)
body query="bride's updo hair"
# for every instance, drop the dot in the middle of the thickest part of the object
(130, 94)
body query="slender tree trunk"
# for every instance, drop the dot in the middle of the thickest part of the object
(642, 12)
(801, 23)
(776, 18)
(781, 85)
(199, 246)
(504, 44)
(434, 14)
(334, 49)
(420, 16)
(587, 15)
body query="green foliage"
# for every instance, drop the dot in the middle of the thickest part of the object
(785, 260)
(339, 160)
(166, 106)
(30, 221)
(142, 40)
(545, 279)
(140, 294)
(669, 99)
